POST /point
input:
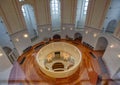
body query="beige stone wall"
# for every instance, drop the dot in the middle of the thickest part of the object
(68, 11)
(11, 16)
(97, 11)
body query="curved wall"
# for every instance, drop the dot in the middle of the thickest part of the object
(59, 46)
(110, 56)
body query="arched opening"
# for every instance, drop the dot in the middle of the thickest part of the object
(111, 26)
(29, 16)
(56, 37)
(77, 37)
(7, 50)
(101, 44)
(10, 53)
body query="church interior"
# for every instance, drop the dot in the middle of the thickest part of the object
(59, 42)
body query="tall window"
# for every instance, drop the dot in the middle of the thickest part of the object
(28, 13)
(21, 0)
(55, 14)
(85, 6)
(82, 6)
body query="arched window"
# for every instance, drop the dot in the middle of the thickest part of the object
(111, 26)
(102, 44)
(82, 6)
(55, 14)
(28, 13)
(21, 0)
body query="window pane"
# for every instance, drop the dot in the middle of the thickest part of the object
(21, 0)
(82, 6)
(23, 9)
(56, 1)
(52, 5)
(56, 5)
(86, 3)
(56, 9)
(85, 12)
(52, 2)
(85, 8)
(53, 9)
(55, 14)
